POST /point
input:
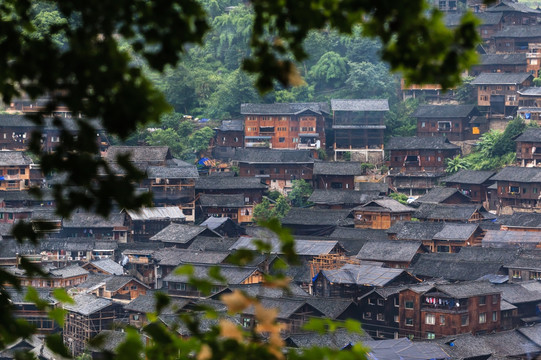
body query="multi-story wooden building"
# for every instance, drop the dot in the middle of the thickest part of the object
(517, 38)
(276, 168)
(491, 22)
(450, 309)
(14, 171)
(450, 121)
(501, 63)
(529, 102)
(473, 183)
(358, 127)
(285, 126)
(229, 136)
(516, 13)
(497, 93)
(336, 175)
(381, 214)
(222, 205)
(147, 222)
(529, 147)
(416, 163)
(518, 186)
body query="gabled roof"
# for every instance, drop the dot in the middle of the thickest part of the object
(175, 257)
(507, 6)
(68, 271)
(501, 238)
(532, 332)
(147, 303)
(530, 91)
(139, 153)
(522, 220)
(351, 168)
(302, 247)
(443, 111)
(385, 205)
(344, 233)
(157, 213)
(450, 267)
(259, 290)
(286, 307)
(222, 200)
(109, 266)
(501, 78)
(530, 134)
(172, 172)
(390, 250)
(403, 349)
(341, 197)
(367, 275)
(14, 158)
(518, 174)
(86, 304)
(88, 220)
(415, 230)
(528, 259)
(521, 292)
(503, 59)
(228, 183)
(182, 233)
(336, 340)
(456, 232)
(205, 243)
(284, 108)
(232, 274)
(273, 156)
(468, 289)
(214, 223)
(115, 283)
(420, 143)
(320, 217)
(476, 177)
(360, 105)
(232, 125)
(439, 194)
(451, 212)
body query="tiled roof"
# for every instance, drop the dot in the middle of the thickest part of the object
(283, 108)
(387, 204)
(512, 6)
(444, 111)
(350, 168)
(109, 266)
(450, 267)
(390, 250)
(360, 105)
(418, 143)
(86, 304)
(232, 125)
(91, 220)
(156, 213)
(341, 197)
(503, 59)
(222, 200)
(439, 194)
(456, 232)
(501, 238)
(232, 274)
(415, 230)
(182, 233)
(518, 174)
(371, 275)
(272, 156)
(501, 78)
(173, 172)
(531, 134)
(454, 212)
(518, 219)
(321, 217)
(228, 183)
(476, 177)
(302, 247)
(14, 158)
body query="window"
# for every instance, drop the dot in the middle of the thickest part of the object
(439, 158)
(482, 300)
(380, 317)
(396, 302)
(409, 321)
(430, 335)
(133, 287)
(23, 171)
(236, 139)
(517, 274)
(281, 139)
(246, 322)
(423, 124)
(443, 248)
(482, 318)
(464, 320)
(409, 304)
(367, 315)
(380, 302)
(444, 125)
(494, 316)
(494, 299)
(442, 319)
(524, 190)
(535, 190)
(371, 302)
(535, 275)
(514, 190)
(430, 319)
(396, 318)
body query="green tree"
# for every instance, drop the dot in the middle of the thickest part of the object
(300, 192)
(167, 137)
(367, 80)
(456, 164)
(401, 198)
(399, 121)
(263, 211)
(281, 208)
(200, 139)
(330, 71)
(466, 92)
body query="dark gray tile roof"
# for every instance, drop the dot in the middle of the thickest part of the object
(371, 186)
(232, 125)
(68, 271)
(336, 340)
(468, 289)
(519, 31)
(454, 212)
(512, 6)
(109, 266)
(501, 238)
(403, 349)
(92, 220)
(13, 158)
(360, 105)
(222, 200)
(205, 243)
(439, 194)
(284, 108)
(139, 153)
(503, 59)
(530, 91)
(86, 304)
(115, 283)
(215, 222)
(273, 156)
(170, 172)
(533, 333)
(418, 143)
(47, 195)
(482, 254)
(302, 247)
(518, 174)
(443, 111)
(385, 204)
(286, 307)
(351, 168)
(456, 232)
(476, 177)
(258, 290)
(528, 259)
(341, 197)
(530, 134)
(302, 216)
(415, 230)
(175, 257)
(390, 250)
(500, 78)
(344, 233)
(228, 183)
(182, 233)
(522, 292)
(371, 275)
(232, 274)
(450, 267)
(147, 303)
(518, 219)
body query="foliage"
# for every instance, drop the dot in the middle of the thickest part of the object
(537, 82)
(199, 140)
(274, 195)
(167, 137)
(347, 156)
(399, 121)
(466, 93)
(281, 208)
(368, 80)
(300, 192)
(366, 166)
(263, 210)
(330, 71)
(456, 164)
(401, 198)
(321, 154)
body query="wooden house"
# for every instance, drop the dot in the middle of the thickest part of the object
(491, 22)
(464, 213)
(520, 221)
(381, 214)
(250, 188)
(518, 187)
(25, 199)
(525, 296)
(450, 121)
(529, 147)
(320, 222)
(84, 224)
(353, 281)
(28, 310)
(442, 195)
(285, 125)
(529, 101)
(512, 239)
(497, 93)
(379, 310)
(358, 127)
(525, 267)
(516, 13)
(501, 63)
(341, 199)
(104, 267)
(120, 288)
(417, 163)
(336, 175)
(173, 186)
(228, 137)
(14, 171)
(276, 168)
(141, 155)
(224, 226)
(65, 277)
(453, 237)
(392, 253)
(86, 318)
(225, 206)
(472, 183)
(138, 308)
(181, 235)
(147, 222)
(449, 309)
